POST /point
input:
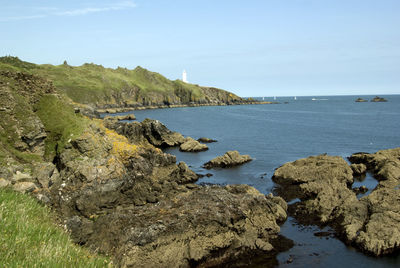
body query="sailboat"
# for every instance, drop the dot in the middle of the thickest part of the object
(274, 98)
(295, 98)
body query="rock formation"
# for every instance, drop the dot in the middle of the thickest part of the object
(134, 202)
(191, 145)
(28, 132)
(358, 169)
(378, 99)
(323, 184)
(206, 140)
(121, 117)
(229, 159)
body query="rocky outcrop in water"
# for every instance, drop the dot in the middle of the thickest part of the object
(206, 140)
(378, 99)
(229, 159)
(361, 100)
(148, 131)
(155, 133)
(191, 145)
(358, 169)
(323, 184)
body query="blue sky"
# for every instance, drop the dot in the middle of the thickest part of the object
(252, 48)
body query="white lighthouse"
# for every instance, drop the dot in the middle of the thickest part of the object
(184, 76)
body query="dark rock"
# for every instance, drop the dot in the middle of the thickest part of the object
(323, 234)
(206, 140)
(378, 99)
(229, 159)
(360, 190)
(159, 135)
(361, 100)
(358, 169)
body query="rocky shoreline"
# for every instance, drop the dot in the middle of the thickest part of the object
(117, 109)
(145, 210)
(117, 193)
(323, 184)
(120, 195)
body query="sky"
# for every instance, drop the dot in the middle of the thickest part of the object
(252, 48)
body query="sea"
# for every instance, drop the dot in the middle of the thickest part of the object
(273, 134)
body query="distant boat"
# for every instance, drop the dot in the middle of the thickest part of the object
(314, 99)
(274, 98)
(295, 98)
(263, 98)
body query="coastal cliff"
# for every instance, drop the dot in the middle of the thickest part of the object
(118, 194)
(100, 87)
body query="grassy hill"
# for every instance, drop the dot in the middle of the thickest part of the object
(93, 84)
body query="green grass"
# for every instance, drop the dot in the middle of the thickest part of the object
(61, 123)
(29, 237)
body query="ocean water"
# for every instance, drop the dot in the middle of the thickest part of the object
(274, 134)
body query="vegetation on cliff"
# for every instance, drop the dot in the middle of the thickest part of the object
(93, 84)
(35, 124)
(35, 119)
(29, 237)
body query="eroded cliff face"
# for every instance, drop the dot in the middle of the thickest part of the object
(323, 185)
(21, 128)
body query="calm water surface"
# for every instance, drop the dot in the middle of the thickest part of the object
(278, 133)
